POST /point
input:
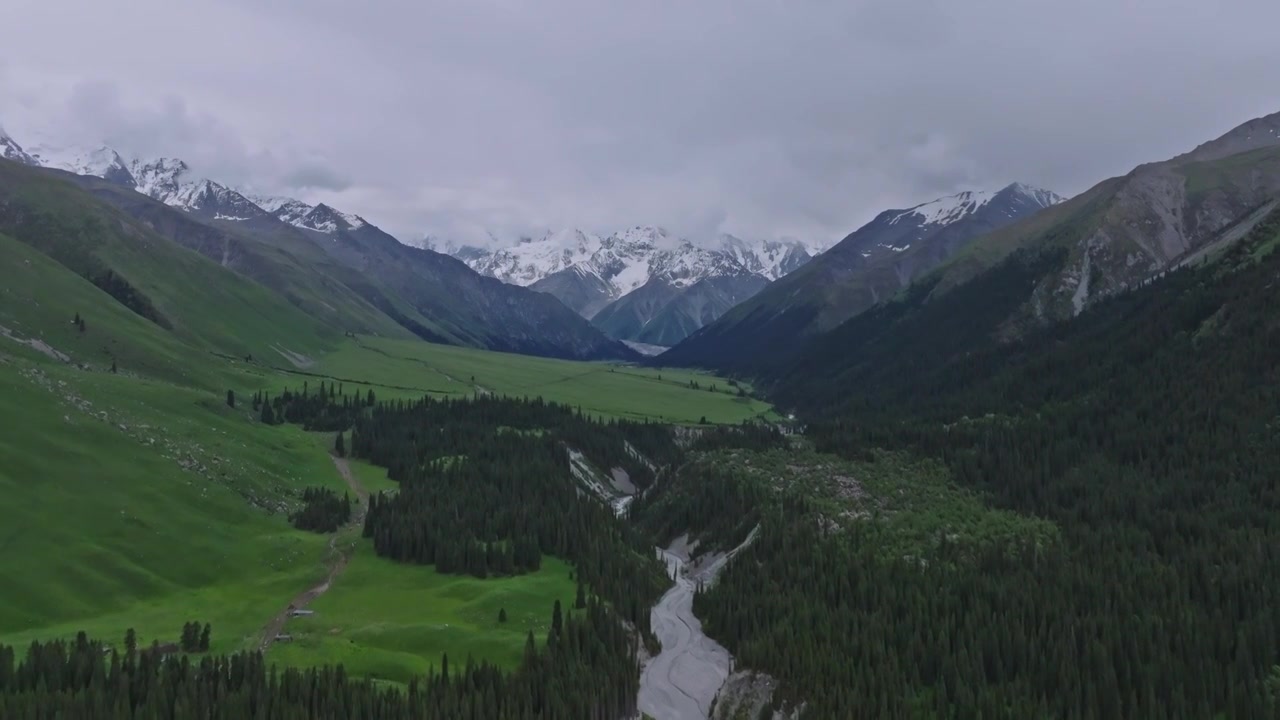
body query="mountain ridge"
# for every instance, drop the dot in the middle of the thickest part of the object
(625, 280)
(869, 265)
(299, 250)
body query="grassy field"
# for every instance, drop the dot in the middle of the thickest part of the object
(409, 368)
(393, 621)
(132, 503)
(140, 499)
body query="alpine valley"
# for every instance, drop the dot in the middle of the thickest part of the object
(332, 265)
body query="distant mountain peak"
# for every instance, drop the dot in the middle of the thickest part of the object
(11, 150)
(953, 208)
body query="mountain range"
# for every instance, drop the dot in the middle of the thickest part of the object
(868, 266)
(640, 284)
(1116, 236)
(334, 265)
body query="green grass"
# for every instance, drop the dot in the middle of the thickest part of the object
(131, 503)
(373, 478)
(141, 500)
(410, 368)
(906, 506)
(394, 621)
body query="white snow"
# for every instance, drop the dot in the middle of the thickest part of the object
(97, 161)
(952, 208)
(11, 150)
(946, 210)
(628, 259)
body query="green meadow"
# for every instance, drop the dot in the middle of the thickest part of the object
(406, 368)
(140, 499)
(394, 621)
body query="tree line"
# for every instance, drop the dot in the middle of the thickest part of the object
(586, 669)
(322, 510)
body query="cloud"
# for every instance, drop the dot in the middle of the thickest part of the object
(748, 116)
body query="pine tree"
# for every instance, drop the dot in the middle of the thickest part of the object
(580, 601)
(557, 620)
(204, 637)
(502, 615)
(113, 366)
(231, 398)
(339, 446)
(130, 642)
(268, 415)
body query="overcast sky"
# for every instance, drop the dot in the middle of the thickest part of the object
(761, 118)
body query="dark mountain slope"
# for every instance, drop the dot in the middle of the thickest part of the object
(478, 310)
(868, 266)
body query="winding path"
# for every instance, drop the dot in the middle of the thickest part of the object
(338, 559)
(681, 682)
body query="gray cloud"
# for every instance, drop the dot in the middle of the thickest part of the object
(749, 116)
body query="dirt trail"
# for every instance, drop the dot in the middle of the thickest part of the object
(681, 682)
(338, 558)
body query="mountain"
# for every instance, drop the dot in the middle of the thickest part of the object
(11, 150)
(335, 266)
(626, 280)
(100, 161)
(871, 264)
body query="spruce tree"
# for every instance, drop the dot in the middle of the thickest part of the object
(113, 366)
(339, 446)
(204, 637)
(557, 620)
(231, 398)
(502, 615)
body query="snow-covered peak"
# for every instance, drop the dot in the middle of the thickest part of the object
(769, 258)
(326, 219)
(321, 218)
(628, 259)
(946, 210)
(11, 150)
(531, 259)
(100, 161)
(1038, 196)
(953, 208)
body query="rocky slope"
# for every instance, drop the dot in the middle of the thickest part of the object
(872, 264)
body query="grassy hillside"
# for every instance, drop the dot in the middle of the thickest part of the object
(276, 255)
(140, 499)
(394, 621)
(200, 302)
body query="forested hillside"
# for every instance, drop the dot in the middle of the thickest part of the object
(1142, 434)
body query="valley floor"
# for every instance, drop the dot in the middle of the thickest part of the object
(142, 500)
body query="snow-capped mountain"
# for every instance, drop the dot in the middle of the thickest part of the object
(11, 150)
(320, 218)
(174, 183)
(626, 260)
(627, 279)
(100, 161)
(870, 265)
(937, 228)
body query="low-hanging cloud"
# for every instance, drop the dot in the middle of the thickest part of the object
(747, 116)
